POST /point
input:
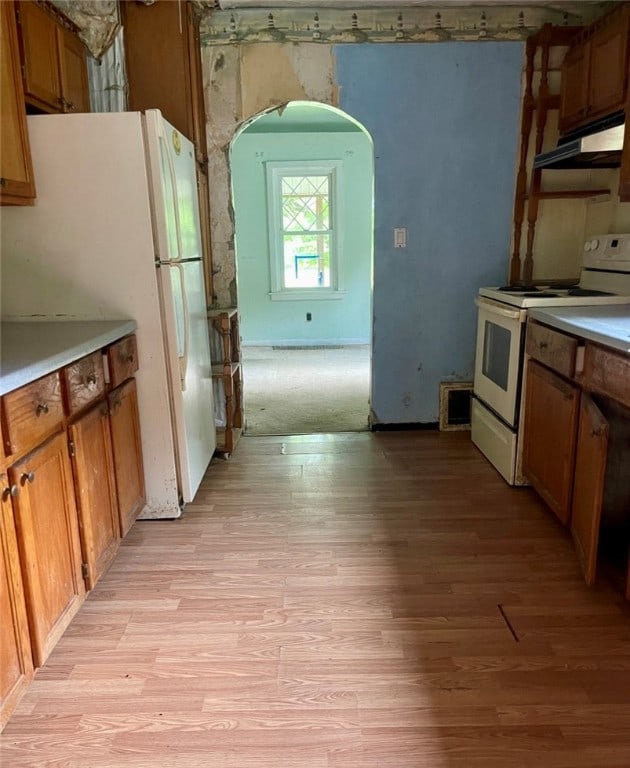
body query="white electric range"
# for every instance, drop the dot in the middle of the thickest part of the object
(604, 279)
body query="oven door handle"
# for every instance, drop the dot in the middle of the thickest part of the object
(499, 309)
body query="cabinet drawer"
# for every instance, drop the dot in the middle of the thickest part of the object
(32, 412)
(552, 348)
(122, 359)
(85, 381)
(607, 372)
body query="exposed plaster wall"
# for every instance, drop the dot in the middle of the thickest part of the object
(239, 83)
(97, 20)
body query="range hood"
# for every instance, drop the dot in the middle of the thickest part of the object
(600, 148)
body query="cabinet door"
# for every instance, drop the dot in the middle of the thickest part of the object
(157, 58)
(574, 89)
(48, 540)
(16, 172)
(73, 72)
(38, 31)
(608, 68)
(95, 488)
(127, 446)
(588, 485)
(16, 663)
(550, 428)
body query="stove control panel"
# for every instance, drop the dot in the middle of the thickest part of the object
(610, 252)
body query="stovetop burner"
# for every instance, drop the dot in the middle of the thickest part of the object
(529, 289)
(587, 292)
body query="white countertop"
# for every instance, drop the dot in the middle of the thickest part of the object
(29, 350)
(608, 325)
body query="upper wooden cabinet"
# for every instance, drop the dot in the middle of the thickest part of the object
(595, 72)
(163, 59)
(16, 172)
(53, 60)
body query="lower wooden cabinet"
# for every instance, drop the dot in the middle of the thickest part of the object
(16, 663)
(588, 486)
(48, 538)
(95, 490)
(127, 448)
(72, 484)
(550, 430)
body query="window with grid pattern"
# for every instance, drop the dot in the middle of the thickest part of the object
(303, 236)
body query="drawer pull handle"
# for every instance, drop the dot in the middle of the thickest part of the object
(27, 477)
(129, 358)
(9, 492)
(542, 345)
(41, 408)
(90, 380)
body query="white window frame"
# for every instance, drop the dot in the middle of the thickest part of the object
(274, 172)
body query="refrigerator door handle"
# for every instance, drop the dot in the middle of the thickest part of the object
(183, 358)
(173, 180)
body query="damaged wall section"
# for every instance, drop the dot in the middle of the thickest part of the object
(241, 82)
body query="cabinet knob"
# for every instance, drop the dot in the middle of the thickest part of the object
(542, 345)
(10, 491)
(41, 408)
(128, 358)
(27, 477)
(90, 380)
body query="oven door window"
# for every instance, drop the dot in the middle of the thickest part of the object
(496, 354)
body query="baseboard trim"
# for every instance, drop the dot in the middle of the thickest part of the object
(400, 427)
(304, 343)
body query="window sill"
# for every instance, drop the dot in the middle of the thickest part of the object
(307, 294)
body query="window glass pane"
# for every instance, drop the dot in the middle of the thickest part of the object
(306, 260)
(496, 354)
(305, 203)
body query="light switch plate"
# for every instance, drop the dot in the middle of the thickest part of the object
(400, 237)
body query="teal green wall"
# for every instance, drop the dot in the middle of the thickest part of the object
(338, 321)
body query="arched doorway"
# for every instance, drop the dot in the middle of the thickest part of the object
(302, 192)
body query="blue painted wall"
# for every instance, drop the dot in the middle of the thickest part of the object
(263, 321)
(444, 121)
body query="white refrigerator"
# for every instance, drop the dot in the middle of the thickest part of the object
(114, 233)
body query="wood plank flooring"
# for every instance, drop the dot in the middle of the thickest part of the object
(340, 601)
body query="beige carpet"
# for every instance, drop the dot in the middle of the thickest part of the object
(298, 391)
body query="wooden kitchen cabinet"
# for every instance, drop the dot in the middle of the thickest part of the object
(48, 538)
(550, 431)
(16, 171)
(75, 91)
(607, 372)
(164, 71)
(595, 72)
(16, 663)
(95, 488)
(588, 486)
(53, 58)
(127, 453)
(574, 92)
(163, 58)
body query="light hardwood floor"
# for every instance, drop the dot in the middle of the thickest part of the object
(340, 601)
